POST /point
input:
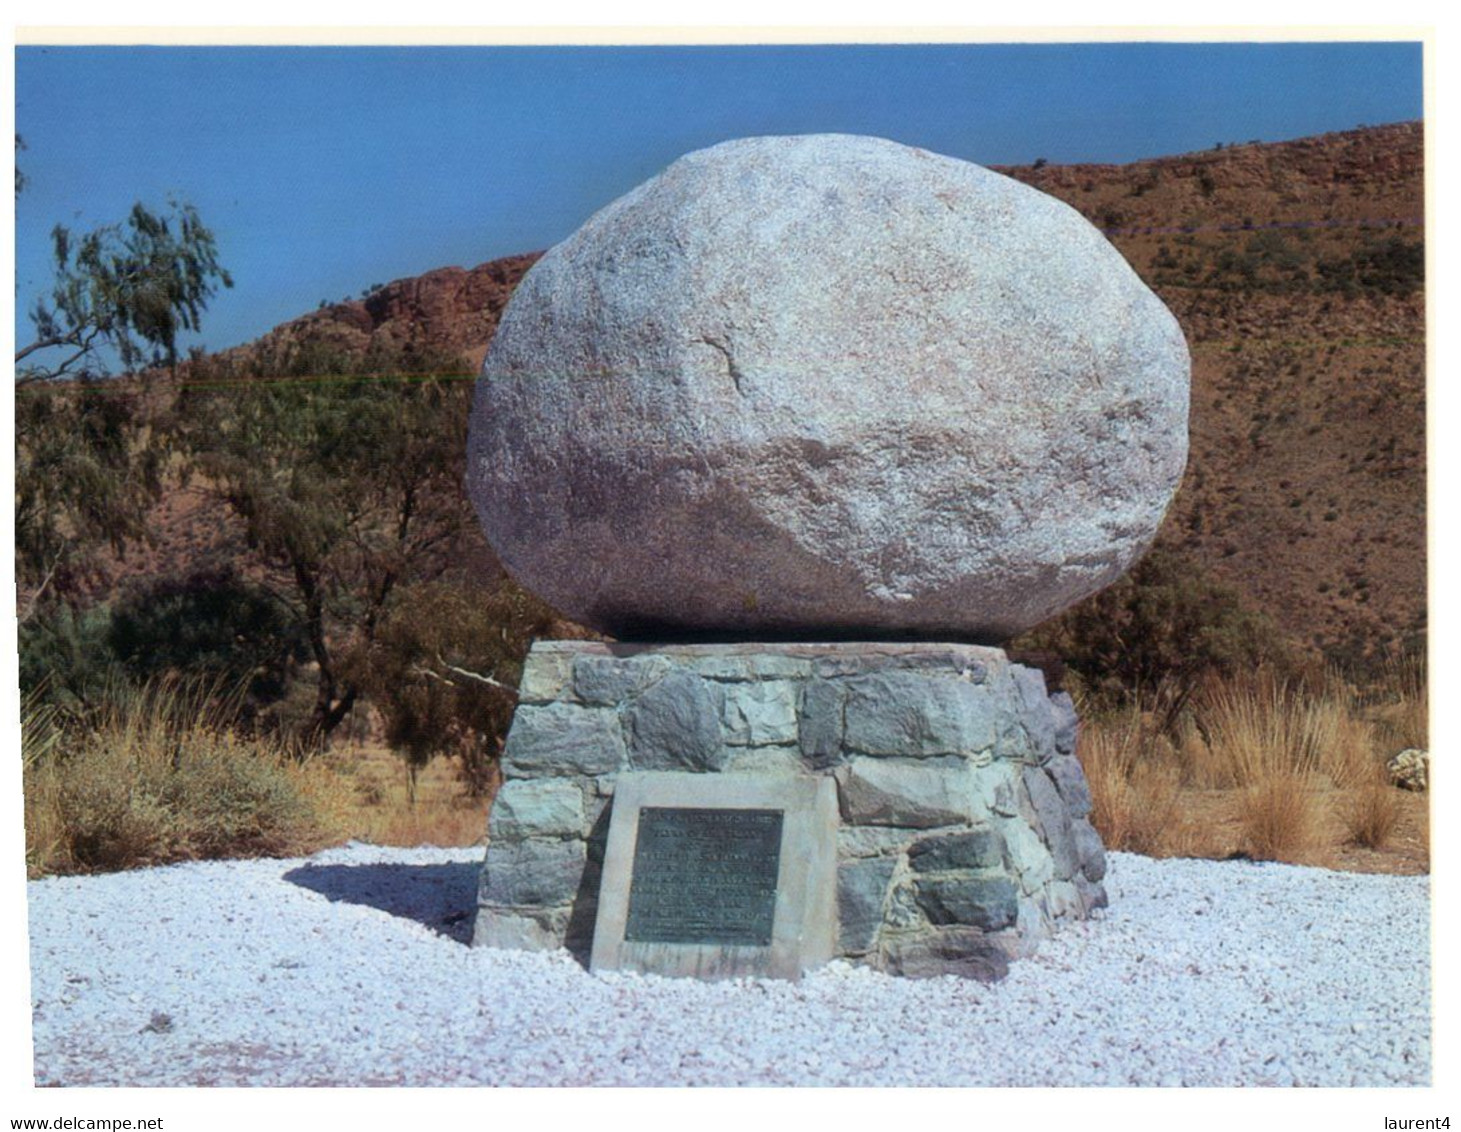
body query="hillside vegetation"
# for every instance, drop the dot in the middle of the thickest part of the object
(311, 559)
(1297, 273)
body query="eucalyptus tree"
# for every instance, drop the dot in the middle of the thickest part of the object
(88, 457)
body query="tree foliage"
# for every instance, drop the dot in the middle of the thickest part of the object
(86, 471)
(131, 287)
(1158, 632)
(347, 487)
(443, 670)
(88, 452)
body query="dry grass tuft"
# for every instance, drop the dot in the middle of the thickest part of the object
(1280, 770)
(1280, 817)
(162, 778)
(1246, 733)
(1255, 732)
(427, 825)
(1372, 814)
(1133, 796)
(1402, 718)
(377, 805)
(1343, 742)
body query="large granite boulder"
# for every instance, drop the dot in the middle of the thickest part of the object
(828, 386)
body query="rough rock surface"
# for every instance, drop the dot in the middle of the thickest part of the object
(964, 839)
(832, 386)
(450, 310)
(1410, 769)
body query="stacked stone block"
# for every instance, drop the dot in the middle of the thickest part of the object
(964, 833)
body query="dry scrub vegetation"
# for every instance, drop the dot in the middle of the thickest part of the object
(1259, 768)
(166, 774)
(1263, 768)
(161, 776)
(1296, 271)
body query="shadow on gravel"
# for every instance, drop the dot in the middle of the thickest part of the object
(442, 897)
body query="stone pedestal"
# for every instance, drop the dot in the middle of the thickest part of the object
(964, 837)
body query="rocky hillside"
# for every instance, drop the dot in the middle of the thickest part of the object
(1297, 272)
(450, 311)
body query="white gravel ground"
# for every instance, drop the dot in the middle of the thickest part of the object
(350, 968)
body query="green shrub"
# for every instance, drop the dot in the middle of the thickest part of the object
(1159, 632)
(66, 659)
(443, 671)
(207, 626)
(1390, 265)
(208, 623)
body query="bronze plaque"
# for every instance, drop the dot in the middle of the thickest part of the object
(704, 876)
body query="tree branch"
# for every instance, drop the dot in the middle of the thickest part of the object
(45, 344)
(75, 338)
(474, 676)
(35, 599)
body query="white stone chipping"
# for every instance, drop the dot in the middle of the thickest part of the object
(352, 968)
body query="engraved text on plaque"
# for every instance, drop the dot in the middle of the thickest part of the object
(704, 876)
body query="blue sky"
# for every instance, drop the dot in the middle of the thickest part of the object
(324, 170)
